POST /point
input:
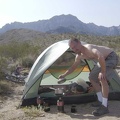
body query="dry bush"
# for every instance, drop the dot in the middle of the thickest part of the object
(33, 111)
(5, 87)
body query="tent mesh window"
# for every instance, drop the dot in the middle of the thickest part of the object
(64, 63)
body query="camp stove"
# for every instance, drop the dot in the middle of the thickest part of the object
(60, 92)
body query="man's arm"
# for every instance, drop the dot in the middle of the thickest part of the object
(99, 56)
(72, 68)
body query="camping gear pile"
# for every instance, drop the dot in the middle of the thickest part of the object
(16, 78)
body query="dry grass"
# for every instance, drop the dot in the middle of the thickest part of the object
(5, 87)
(33, 111)
(10, 100)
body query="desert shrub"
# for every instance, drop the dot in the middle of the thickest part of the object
(118, 53)
(33, 112)
(23, 50)
(3, 67)
(17, 50)
(28, 61)
(5, 87)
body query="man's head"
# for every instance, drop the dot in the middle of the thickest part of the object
(75, 45)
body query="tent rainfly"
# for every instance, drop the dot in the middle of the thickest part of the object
(53, 61)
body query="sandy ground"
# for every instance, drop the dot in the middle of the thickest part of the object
(9, 110)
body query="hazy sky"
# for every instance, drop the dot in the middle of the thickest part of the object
(100, 12)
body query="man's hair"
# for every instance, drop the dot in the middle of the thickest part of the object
(73, 40)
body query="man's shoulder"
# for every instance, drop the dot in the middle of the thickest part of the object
(89, 46)
(79, 56)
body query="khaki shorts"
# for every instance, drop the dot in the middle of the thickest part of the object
(111, 63)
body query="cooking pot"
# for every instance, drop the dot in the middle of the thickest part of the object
(59, 91)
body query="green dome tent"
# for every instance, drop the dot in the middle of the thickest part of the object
(52, 62)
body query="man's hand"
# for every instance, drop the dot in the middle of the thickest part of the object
(61, 76)
(61, 79)
(102, 76)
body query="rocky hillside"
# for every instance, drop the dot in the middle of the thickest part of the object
(46, 39)
(32, 37)
(20, 35)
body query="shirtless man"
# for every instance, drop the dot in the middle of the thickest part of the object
(106, 60)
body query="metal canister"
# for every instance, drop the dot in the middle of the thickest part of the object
(46, 106)
(73, 109)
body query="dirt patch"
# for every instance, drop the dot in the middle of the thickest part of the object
(9, 109)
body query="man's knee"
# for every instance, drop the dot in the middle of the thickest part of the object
(93, 78)
(90, 78)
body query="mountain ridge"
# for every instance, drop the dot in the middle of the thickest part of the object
(64, 24)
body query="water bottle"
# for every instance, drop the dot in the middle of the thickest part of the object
(60, 105)
(39, 102)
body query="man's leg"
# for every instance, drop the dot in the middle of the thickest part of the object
(105, 92)
(103, 109)
(93, 77)
(102, 89)
(111, 63)
(97, 89)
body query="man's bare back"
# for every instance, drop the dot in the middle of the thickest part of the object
(90, 48)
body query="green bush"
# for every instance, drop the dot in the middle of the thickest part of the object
(3, 67)
(27, 62)
(5, 87)
(13, 52)
(17, 50)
